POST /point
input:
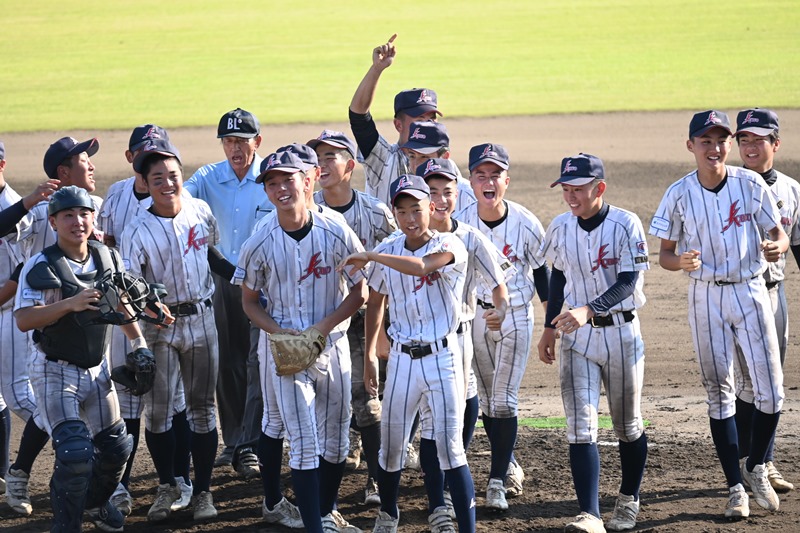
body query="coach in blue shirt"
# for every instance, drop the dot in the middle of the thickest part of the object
(237, 201)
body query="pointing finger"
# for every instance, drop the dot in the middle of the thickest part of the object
(392, 38)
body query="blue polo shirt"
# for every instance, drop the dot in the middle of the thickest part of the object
(237, 205)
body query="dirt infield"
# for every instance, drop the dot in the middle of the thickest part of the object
(683, 488)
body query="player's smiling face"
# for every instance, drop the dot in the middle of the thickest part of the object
(240, 152)
(73, 225)
(584, 201)
(711, 150)
(489, 183)
(333, 164)
(80, 174)
(286, 190)
(165, 183)
(413, 218)
(756, 151)
(444, 193)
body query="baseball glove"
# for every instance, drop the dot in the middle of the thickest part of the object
(138, 373)
(295, 353)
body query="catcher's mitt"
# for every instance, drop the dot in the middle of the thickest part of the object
(295, 353)
(138, 373)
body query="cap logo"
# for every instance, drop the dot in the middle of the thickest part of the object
(233, 123)
(324, 135)
(750, 119)
(432, 166)
(273, 160)
(712, 119)
(149, 147)
(403, 183)
(73, 140)
(569, 167)
(417, 135)
(488, 152)
(424, 97)
(151, 133)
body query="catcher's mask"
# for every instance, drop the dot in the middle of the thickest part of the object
(135, 295)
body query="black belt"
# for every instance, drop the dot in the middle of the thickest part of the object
(418, 351)
(605, 321)
(772, 284)
(726, 283)
(485, 305)
(187, 309)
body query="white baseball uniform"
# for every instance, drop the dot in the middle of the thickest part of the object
(501, 357)
(302, 287)
(728, 298)
(612, 355)
(174, 251)
(424, 360)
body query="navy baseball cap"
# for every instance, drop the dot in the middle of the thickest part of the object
(580, 169)
(427, 137)
(2, 150)
(488, 152)
(282, 161)
(415, 102)
(146, 132)
(335, 138)
(305, 153)
(411, 185)
(238, 123)
(438, 167)
(62, 149)
(702, 122)
(761, 122)
(152, 147)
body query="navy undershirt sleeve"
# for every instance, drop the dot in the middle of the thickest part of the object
(365, 132)
(555, 301)
(219, 265)
(621, 289)
(541, 278)
(10, 216)
(796, 252)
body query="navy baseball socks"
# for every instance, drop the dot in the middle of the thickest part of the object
(306, 488)
(204, 450)
(183, 438)
(462, 490)
(132, 427)
(270, 458)
(744, 425)
(389, 488)
(632, 458)
(471, 412)
(584, 460)
(330, 478)
(33, 440)
(503, 437)
(762, 437)
(162, 450)
(432, 474)
(5, 441)
(723, 433)
(371, 444)
(750, 436)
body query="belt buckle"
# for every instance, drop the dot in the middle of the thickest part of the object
(416, 351)
(591, 321)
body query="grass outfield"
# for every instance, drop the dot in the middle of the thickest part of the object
(110, 64)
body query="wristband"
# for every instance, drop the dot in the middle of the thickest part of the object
(137, 343)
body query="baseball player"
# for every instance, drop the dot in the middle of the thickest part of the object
(385, 162)
(290, 260)
(172, 243)
(598, 252)
(372, 221)
(66, 162)
(487, 266)
(422, 273)
(757, 134)
(60, 296)
(124, 201)
(8, 263)
(428, 140)
(709, 223)
(237, 201)
(500, 358)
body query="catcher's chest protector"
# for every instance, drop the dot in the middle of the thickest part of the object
(78, 338)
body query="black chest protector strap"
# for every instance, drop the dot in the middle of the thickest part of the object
(78, 338)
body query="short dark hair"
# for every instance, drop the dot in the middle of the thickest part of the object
(150, 161)
(772, 137)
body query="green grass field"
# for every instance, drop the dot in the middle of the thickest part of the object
(110, 64)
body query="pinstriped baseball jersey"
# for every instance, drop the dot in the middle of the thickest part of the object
(9, 256)
(299, 277)
(387, 162)
(592, 260)
(486, 267)
(427, 309)
(120, 208)
(723, 226)
(174, 251)
(519, 237)
(368, 217)
(321, 210)
(786, 192)
(34, 233)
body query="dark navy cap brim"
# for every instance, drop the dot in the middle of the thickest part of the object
(575, 181)
(710, 127)
(286, 170)
(139, 160)
(420, 110)
(240, 135)
(501, 164)
(415, 193)
(762, 132)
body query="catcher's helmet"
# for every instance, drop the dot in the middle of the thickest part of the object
(68, 197)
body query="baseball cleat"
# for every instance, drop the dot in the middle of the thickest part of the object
(162, 506)
(203, 505)
(245, 462)
(385, 523)
(514, 478)
(122, 500)
(107, 517)
(625, 512)
(339, 523)
(186, 496)
(371, 495)
(448, 501)
(285, 513)
(587, 523)
(776, 479)
(496, 495)
(763, 492)
(738, 503)
(17, 491)
(440, 521)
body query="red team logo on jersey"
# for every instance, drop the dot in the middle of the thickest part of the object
(602, 260)
(194, 242)
(427, 280)
(315, 268)
(734, 218)
(508, 251)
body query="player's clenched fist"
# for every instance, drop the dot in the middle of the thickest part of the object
(87, 299)
(690, 261)
(772, 251)
(547, 346)
(383, 55)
